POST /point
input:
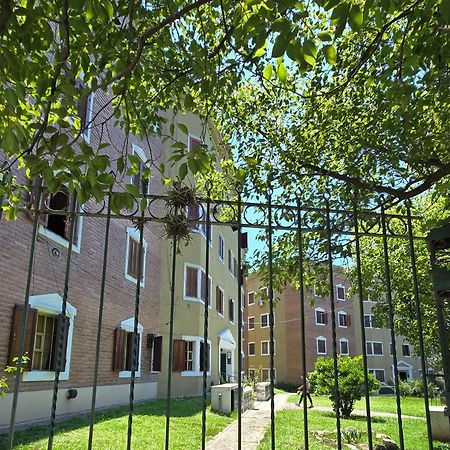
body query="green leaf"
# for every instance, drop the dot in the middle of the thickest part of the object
(280, 46)
(444, 10)
(330, 54)
(90, 10)
(355, 19)
(282, 73)
(106, 178)
(294, 50)
(309, 52)
(260, 52)
(188, 102)
(133, 190)
(324, 36)
(182, 171)
(108, 8)
(183, 128)
(268, 71)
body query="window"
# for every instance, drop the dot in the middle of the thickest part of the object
(138, 164)
(265, 347)
(46, 328)
(194, 142)
(340, 292)
(343, 346)
(264, 294)
(368, 321)
(251, 298)
(378, 374)
(265, 374)
(321, 316)
(155, 345)
(127, 349)
(374, 348)
(251, 323)
(343, 319)
(406, 350)
(251, 349)
(316, 293)
(264, 320)
(57, 227)
(232, 264)
(231, 309)
(195, 284)
(221, 248)
(196, 212)
(252, 373)
(391, 348)
(85, 106)
(132, 257)
(321, 344)
(219, 300)
(189, 356)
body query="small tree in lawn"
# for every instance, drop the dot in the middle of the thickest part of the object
(350, 378)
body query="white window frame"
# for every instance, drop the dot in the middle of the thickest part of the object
(268, 348)
(51, 304)
(132, 233)
(233, 258)
(89, 115)
(248, 348)
(248, 298)
(198, 298)
(337, 290)
(315, 292)
(372, 371)
(265, 291)
(340, 346)
(324, 339)
(372, 347)
(248, 323)
(370, 316)
(268, 372)
(409, 348)
(196, 372)
(128, 326)
(44, 231)
(221, 314)
(316, 310)
(139, 152)
(342, 313)
(221, 247)
(261, 320)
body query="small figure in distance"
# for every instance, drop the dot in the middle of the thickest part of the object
(305, 390)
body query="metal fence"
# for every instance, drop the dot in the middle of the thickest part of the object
(327, 220)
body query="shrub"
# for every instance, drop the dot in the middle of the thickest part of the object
(350, 379)
(415, 388)
(288, 387)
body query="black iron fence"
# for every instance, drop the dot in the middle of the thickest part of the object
(329, 221)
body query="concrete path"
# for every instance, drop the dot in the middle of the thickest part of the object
(254, 423)
(356, 412)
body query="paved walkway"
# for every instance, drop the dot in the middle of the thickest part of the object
(254, 423)
(356, 412)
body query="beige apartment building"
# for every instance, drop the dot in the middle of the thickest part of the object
(318, 333)
(190, 293)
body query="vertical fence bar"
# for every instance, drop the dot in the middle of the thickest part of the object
(72, 218)
(387, 271)
(12, 424)
(239, 305)
(169, 364)
(302, 321)
(362, 324)
(206, 361)
(99, 324)
(135, 342)
(270, 255)
(419, 322)
(333, 325)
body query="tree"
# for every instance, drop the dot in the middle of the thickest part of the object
(350, 377)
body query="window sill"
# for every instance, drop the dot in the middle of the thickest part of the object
(134, 280)
(127, 374)
(57, 238)
(343, 326)
(194, 373)
(320, 324)
(322, 354)
(43, 375)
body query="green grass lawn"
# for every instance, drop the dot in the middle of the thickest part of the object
(110, 430)
(289, 430)
(411, 406)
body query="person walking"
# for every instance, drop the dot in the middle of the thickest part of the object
(305, 390)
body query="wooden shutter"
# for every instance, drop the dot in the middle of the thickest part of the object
(349, 320)
(16, 332)
(204, 363)
(231, 309)
(137, 178)
(203, 286)
(235, 266)
(244, 240)
(229, 261)
(178, 360)
(119, 349)
(157, 354)
(193, 215)
(191, 282)
(133, 248)
(194, 143)
(325, 318)
(60, 338)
